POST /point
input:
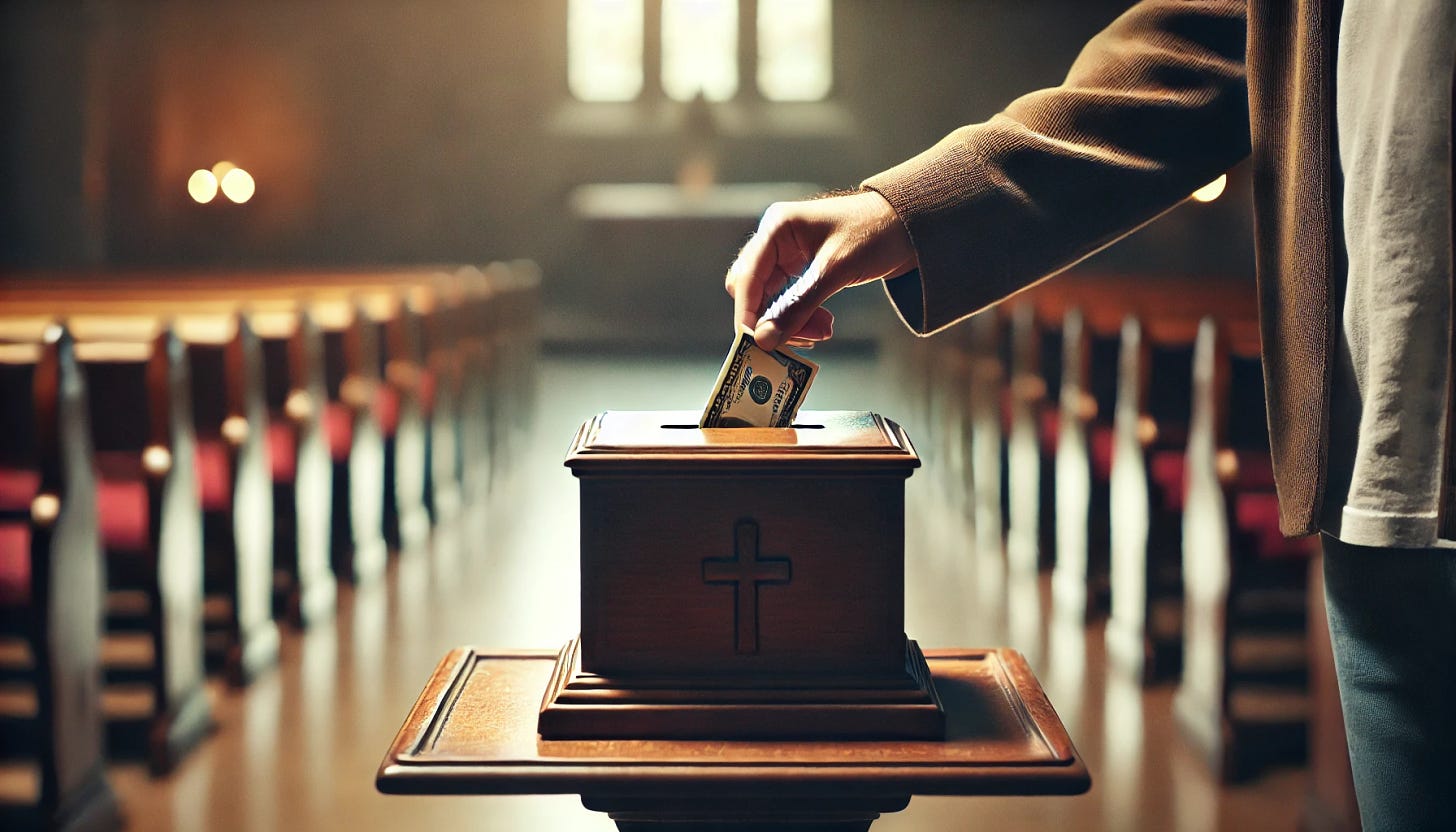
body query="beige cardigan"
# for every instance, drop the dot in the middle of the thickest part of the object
(1158, 104)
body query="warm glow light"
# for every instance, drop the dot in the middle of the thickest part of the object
(700, 49)
(298, 406)
(156, 460)
(1147, 430)
(604, 49)
(238, 185)
(356, 391)
(794, 49)
(1226, 465)
(202, 186)
(1212, 190)
(222, 169)
(45, 508)
(235, 429)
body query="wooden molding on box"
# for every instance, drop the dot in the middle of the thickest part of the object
(580, 705)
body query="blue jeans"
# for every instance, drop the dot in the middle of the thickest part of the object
(1392, 619)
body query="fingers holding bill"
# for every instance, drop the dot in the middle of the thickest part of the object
(819, 328)
(764, 265)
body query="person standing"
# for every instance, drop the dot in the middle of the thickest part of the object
(1346, 113)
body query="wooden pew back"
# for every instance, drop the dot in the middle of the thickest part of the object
(63, 606)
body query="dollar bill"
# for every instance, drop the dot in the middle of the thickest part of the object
(757, 388)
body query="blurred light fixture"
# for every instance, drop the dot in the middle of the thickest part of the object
(222, 169)
(235, 429)
(202, 186)
(156, 460)
(1212, 190)
(238, 185)
(45, 508)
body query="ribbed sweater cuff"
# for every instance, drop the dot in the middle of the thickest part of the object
(949, 204)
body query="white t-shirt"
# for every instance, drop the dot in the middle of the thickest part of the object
(1394, 70)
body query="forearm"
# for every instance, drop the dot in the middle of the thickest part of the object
(1154, 107)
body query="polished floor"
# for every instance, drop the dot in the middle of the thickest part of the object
(298, 749)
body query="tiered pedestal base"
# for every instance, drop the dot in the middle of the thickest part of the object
(582, 705)
(474, 731)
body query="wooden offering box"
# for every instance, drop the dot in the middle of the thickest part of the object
(742, 583)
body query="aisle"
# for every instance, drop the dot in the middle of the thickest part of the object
(298, 749)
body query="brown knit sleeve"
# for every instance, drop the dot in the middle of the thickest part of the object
(1153, 108)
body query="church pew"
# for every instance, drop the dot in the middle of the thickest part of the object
(985, 452)
(290, 442)
(355, 439)
(1080, 577)
(305, 590)
(1031, 431)
(1242, 700)
(370, 400)
(511, 330)
(51, 584)
(151, 532)
(351, 339)
(519, 314)
(372, 413)
(1150, 426)
(409, 380)
(480, 432)
(447, 367)
(300, 288)
(949, 401)
(230, 417)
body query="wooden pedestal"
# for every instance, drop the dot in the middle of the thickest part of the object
(473, 731)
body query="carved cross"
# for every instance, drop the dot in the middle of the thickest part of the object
(745, 571)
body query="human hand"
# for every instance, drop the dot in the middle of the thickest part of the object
(834, 242)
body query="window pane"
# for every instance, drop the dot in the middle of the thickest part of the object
(604, 49)
(794, 57)
(700, 49)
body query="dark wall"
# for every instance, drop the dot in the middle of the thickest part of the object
(442, 130)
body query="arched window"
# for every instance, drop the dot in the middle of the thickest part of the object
(700, 49)
(794, 50)
(604, 48)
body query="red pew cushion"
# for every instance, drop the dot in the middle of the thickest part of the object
(1051, 428)
(1099, 447)
(18, 486)
(14, 564)
(1256, 473)
(123, 514)
(214, 475)
(1257, 515)
(282, 449)
(1165, 469)
(121, 501)
(1256, 470)
(339, 427)
(386, 408)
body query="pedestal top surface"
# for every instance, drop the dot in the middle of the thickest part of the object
(617, 435)
(473, 731)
